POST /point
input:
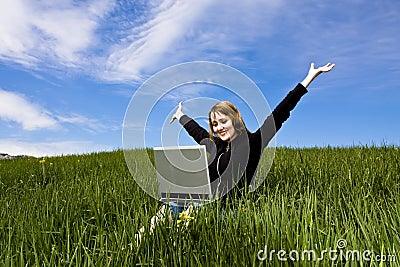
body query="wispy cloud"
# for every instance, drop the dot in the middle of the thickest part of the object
(89, 124)
(356, 35)
(48, 32)
(179, 31)
(147, 42)
(229, 28)
(127, 41)
(19, 109)
(30, 116)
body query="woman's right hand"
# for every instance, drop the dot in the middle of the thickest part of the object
(178, 113)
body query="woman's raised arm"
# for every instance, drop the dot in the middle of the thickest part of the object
(282, 112)
(193, 128)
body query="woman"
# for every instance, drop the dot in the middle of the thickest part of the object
(235, 151)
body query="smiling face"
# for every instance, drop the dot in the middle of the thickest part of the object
(222, 126)
(225, 121)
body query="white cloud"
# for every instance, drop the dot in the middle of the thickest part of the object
(31, 116)
(148, 42)
(16, 108)
(140, 37)
(34, 32)
(179, 31)
(41, 149)
(90, 125)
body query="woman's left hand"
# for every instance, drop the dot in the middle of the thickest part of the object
(314, 72)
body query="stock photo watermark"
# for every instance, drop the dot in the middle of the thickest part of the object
(340, 253)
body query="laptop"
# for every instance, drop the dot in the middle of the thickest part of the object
(182, 173)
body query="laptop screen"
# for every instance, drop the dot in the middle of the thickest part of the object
(182, 172)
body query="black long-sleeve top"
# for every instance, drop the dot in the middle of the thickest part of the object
(235, 163)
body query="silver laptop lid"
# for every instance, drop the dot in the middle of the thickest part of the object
(182, 172)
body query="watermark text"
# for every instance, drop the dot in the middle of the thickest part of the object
(340, 253)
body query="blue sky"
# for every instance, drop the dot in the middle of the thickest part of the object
(68, 69)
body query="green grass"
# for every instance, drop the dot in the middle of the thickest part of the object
(85, 210)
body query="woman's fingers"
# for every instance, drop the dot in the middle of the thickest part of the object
(324, 68)
(328, 67)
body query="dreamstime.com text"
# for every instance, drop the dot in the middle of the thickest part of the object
(338, 254)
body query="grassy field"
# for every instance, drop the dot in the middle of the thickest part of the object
(84, 210)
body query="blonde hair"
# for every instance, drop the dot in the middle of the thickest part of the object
(228, 109)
